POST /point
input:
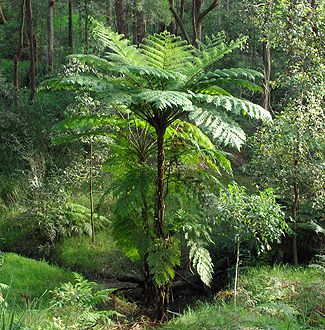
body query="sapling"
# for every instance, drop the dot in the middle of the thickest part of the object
(258, 218)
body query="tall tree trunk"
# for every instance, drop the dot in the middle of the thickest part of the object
(2, 17)
(31, 38)
(179, 21)
(91, 198)
(198, 14)
(19, 50)
(160, 205)
(140, 24)
(172, 26)
(70, 36)
(294, 213)
(50, 36)
(86, 26)
(236, 270)
(266, 101)
(181, 14)
(109, 16)
(120, 14)
(196, 22)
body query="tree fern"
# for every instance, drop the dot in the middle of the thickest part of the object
(166, 82)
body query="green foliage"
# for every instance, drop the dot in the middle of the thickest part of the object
(79, 294)
(158, 76)
(163, 257)
(256, 217)
(157, 81)
(49, 216)
(292, 150)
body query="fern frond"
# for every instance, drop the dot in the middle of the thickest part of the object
(235, 105)
(213, 41)
(233, 73)
(210, 90)
(209, 56)
(201, 261)
(121, 52)
(166, 51)
(163, 100)
(218, 126)
(229, 78)
(162, 258)
(72, 129)
(76, 83)
(193, 135)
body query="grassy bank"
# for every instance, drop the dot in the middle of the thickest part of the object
(278, 298)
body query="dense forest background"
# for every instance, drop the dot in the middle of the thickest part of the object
(95, 183)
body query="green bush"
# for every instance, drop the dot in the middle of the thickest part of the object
(80, 294)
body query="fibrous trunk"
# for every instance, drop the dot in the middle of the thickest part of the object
(163, 291)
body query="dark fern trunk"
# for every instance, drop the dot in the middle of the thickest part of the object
(91, 198)
(163, 291)
(160, 206)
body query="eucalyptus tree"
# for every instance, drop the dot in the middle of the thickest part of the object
(161, 81)
(290, 156)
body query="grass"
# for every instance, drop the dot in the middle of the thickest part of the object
(278, 298)
(29, 279)
(101, 259)
(272, 298)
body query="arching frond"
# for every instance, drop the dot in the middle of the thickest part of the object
(229, 78)
(74, 128)
(233, 73)
(234, 105)
(120, 51)
(201, 143)
(75, 83)
(201, 261)
(163, 100)
(163, 257)
(166, 51)
(209, 56)
(218, 126)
